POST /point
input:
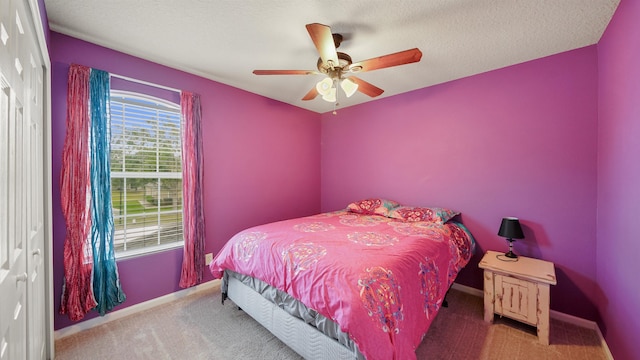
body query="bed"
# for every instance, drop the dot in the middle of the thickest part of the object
(364, 282)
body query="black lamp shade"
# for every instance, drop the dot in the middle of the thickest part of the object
(510, 228)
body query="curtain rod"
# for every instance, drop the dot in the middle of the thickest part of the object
(145, 83)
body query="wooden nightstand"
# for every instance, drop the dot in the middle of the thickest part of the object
(518, 290)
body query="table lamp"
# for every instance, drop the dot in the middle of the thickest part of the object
(510, 228)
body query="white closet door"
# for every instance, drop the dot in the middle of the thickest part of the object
(22, 280)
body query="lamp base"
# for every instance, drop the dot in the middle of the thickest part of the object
(511, 255)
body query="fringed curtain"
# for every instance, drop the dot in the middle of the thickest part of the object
(192, 172)
(90, 272)
(77, 294)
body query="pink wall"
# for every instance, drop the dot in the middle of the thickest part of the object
(619, 181)
(519, 141)
(262, 162)
(450, 145)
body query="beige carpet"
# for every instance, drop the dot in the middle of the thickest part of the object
(199, 327)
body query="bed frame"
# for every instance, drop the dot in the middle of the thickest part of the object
(303, 338)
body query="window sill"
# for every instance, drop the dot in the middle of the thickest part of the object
(147, 251)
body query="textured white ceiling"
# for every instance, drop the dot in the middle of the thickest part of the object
(226, 40)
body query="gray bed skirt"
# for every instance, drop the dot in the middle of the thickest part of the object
(304, 330)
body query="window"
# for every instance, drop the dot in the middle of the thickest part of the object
(146, 173)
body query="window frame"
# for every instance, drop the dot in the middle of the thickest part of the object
(132, 98)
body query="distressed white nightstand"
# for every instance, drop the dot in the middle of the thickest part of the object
(518, 290)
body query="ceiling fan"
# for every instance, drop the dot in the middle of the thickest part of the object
(338, 66)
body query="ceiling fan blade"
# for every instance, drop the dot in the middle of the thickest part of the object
(385, 61)
(285, 72)
(365, 87)
(323, 40)
(311, 94)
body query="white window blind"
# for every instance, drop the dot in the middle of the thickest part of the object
(146, 173)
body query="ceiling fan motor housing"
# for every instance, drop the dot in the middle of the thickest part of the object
(344, 61)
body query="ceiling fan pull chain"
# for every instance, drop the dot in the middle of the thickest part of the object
(335, 104)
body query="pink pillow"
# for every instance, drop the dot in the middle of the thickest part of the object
(429, 214)
(372, 206)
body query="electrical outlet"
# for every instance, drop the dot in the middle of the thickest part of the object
(208, 258)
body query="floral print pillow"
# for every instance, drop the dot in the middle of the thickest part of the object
(373, 207)
(429, 214)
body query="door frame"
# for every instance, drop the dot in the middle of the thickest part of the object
(35, 10)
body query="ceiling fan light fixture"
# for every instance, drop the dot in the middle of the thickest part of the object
(324, 86)
(330, 96)
(349, 87)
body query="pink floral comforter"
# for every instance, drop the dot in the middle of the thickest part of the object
(381, 279)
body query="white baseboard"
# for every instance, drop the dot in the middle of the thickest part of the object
(584, 323)
(552, 314)
(119, 314)
(607, 352)
(467, 289)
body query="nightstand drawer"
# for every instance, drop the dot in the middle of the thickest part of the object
(515, 298)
